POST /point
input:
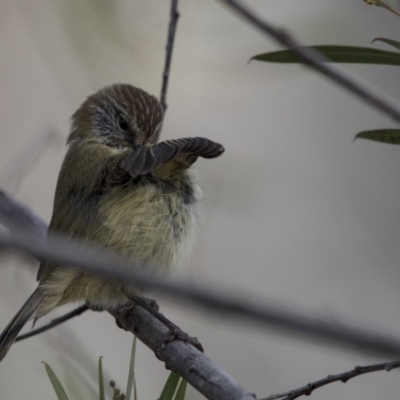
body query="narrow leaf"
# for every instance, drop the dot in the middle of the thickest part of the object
(60, 392)
(391, 5)
(131, 376)
(102, 395)
(181, 392)
(338, 54)
(170, 387)
(390, 136)
(390, 42)
(135, 396)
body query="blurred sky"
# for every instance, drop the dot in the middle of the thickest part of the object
(296, 212)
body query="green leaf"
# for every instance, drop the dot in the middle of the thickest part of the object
(391, 5)
(338, 54)
(170, 387)
(390, 42)
(131, 377)
(60, 392)
(135, 396)
(102, 395)
(181, 393)
(390, 136)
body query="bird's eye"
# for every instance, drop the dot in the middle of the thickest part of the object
(123, 124)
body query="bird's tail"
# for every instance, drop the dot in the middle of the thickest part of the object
(11, 331)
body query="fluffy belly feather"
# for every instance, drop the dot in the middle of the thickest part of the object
(149, 223)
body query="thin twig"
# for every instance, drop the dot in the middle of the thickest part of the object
(55, 322)
(287, 320)
(342, 377)
(168, 52)
(317, 61)
(174, 16)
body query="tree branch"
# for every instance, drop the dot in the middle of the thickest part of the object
(317, 61)
(174, 16)
(183, 358)
(342, 377)
(288, 321)
(57, 321)
(195, 367)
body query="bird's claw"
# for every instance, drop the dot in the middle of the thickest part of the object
(176, 333)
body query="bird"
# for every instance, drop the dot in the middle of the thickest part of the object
(121, 190)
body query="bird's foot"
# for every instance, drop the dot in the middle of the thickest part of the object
(176, 333)
(94, 307)
(150, 302)
(125, 312)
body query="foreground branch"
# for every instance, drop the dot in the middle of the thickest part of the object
(342, 377)
(290, 322)
(187, 361)
(15, 171)
(317, 61)
(15, 217)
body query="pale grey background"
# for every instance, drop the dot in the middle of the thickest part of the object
(296, 212)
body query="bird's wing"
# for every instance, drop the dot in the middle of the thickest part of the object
(145, 159)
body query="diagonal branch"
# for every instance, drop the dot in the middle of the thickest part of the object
(288, 321)
(55, 322)
(342, 377)
(181, 357)
(317, 61)
(16, 216)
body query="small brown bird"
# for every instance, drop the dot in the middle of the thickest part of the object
(118, 189)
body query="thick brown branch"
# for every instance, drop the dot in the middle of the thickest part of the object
(316, 61)
(342, 377)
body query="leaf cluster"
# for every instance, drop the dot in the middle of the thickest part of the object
(349, 55)
(174, 388)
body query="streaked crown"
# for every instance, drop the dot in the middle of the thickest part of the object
(118, 115)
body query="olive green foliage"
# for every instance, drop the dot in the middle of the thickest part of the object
(391, 5)
(338, 54)
(351, 55)
(174, 388)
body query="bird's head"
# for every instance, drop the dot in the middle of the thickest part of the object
(120, 115)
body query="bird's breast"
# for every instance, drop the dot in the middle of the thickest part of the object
(152, 222)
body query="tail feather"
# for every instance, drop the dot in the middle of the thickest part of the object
(10, 333)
